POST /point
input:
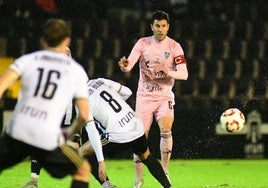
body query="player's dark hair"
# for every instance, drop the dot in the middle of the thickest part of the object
(159, 15)
(55, 31)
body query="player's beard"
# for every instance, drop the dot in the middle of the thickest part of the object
(160, 37)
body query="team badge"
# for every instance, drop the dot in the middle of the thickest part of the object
(167, 54)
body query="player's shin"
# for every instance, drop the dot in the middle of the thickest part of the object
(138, 168)
(166, 143)
(81, 178)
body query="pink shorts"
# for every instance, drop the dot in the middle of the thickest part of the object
(147, 108)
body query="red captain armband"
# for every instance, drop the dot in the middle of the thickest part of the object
(179, 60)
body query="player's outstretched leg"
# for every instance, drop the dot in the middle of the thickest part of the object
(157, 171)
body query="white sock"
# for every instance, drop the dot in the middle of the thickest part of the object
(138, 165)
(166, 143)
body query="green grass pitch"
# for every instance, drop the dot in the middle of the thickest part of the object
(183, 173)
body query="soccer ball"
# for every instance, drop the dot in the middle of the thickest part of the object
(232, 120)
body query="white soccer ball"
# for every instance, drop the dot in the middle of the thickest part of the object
(232, 120)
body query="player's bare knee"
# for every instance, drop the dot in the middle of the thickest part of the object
(165, 128)
(144, 155)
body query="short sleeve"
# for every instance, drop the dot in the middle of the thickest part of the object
(81, 84)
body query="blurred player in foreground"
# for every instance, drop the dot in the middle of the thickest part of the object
(50, 80)
(161, 61)
(119, 127)
(75, 143)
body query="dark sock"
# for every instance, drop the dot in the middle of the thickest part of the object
(157, 171)
(35, 167)
(79, 184)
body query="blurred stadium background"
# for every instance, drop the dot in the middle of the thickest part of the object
(225, 44)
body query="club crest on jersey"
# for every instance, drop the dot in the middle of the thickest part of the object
(167, 54)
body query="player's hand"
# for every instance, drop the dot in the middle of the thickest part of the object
(123, 62)
(102, 171)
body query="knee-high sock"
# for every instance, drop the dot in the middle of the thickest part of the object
(166, 143)
(138, 167)
(157, 171)
(35, 170)
(79, 184)
(94, 167)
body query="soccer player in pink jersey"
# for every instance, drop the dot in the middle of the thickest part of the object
(161, 61)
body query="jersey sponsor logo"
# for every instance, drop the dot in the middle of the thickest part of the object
(33, 112)
(167, 54)
(124, 120)
(148, 73)
(180, 59)
(152, 88)
(159, 74)
(153, 74)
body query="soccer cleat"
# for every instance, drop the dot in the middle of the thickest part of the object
(31, 184)
(138, 184)
(108, 184)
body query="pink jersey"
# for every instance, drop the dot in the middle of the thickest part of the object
(151, 53)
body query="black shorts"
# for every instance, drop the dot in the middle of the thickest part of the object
(110, 149)
(60, 162)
